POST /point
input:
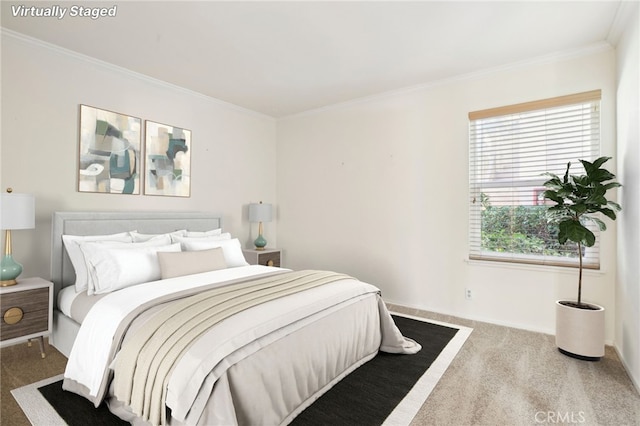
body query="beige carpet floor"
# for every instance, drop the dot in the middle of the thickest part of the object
(21, 365)
(502, 376)
(506, 376)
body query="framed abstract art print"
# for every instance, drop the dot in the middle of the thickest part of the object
(109, 157)
(167, 160)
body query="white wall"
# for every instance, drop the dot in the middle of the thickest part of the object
(628, 115)
(379, 189)
(233, 150)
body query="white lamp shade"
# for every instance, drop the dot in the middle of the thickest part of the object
(17, 211)
(259, 212)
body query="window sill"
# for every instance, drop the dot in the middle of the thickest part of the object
(532, 267)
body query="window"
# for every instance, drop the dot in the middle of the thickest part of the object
(510, 148)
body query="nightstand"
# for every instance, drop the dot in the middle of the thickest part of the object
(27, 312)
(266, 257)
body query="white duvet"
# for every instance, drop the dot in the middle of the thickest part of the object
(190, 386)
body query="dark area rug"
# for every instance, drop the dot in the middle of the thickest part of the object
(76, 410)
(365, 397)
(369, 394)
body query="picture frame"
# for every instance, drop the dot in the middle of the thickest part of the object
(109, 152)
(167, 160)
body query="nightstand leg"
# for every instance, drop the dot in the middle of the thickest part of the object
(41, 342)
(42, 347)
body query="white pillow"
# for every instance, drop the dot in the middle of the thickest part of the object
(182, 240)
(97, 248)
(190, 262)
(203, 233)
(72, 244)
(231, 249)
(137, 237)
(115, 268)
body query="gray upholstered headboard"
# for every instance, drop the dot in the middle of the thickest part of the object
(102, 223)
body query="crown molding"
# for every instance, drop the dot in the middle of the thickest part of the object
(32, 41)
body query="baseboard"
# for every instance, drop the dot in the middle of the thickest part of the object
(473, 317)
(634, 380)
(542, 330)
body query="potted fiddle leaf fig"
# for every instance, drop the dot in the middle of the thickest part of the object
(579, 201)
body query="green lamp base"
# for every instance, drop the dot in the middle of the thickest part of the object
(9, 271)
(260, 242)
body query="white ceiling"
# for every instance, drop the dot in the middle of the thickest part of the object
(282, 58)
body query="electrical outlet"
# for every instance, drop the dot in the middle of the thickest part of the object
(468, 294)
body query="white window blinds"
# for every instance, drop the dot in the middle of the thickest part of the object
(509, 150)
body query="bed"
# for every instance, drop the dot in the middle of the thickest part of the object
(163, 339)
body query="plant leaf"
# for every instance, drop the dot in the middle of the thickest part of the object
(563, 235)
(614, 205)
(601, 175)
(587, 165)
(554, 182)
(581, 180)
(589, 238)
(601, 225)
(600, 161)
(609, 213)
(574, 231)
(612, 185)
(566, 174)
(553, 196)
(595, 166)
(578, 208)
(596, 199)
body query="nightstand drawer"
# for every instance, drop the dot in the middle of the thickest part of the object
(28, 313)
(269, 259)
(266, 257)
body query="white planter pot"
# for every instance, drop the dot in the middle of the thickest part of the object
(580, 332)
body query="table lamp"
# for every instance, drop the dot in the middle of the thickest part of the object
(17, 211)
(259, 212)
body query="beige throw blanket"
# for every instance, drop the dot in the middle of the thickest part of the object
(144, 364)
